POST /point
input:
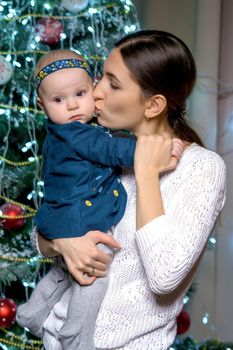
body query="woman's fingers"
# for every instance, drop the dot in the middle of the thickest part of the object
(152, 155)
(100, 237)
(92, 271)
(156, 154)
(177, 151)
(98, 266)
(83, 258)
(83, 278)
(86, 274)
(177, 148)
(79, 275)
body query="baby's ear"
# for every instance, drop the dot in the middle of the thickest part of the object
(40, 103)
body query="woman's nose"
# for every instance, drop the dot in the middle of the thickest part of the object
(98, 91)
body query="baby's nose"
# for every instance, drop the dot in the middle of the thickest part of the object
(72, 103)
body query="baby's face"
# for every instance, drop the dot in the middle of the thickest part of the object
(67, 95)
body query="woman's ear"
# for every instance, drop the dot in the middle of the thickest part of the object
(155, 105)
(40, 103)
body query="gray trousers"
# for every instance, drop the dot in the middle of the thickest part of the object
(78, 320)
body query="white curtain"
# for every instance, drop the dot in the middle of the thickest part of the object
(207, 27)
(212, 112)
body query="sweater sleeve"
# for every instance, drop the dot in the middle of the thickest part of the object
(171, 244)
(97, 145)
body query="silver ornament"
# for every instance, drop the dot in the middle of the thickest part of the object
(6, 71)
(74, 6)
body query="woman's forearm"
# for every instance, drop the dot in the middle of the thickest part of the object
(149, 200)
(154, 155)
(46, 247)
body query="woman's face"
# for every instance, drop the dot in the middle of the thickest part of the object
(119, 99)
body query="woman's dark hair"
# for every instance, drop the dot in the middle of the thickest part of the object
(162, 64)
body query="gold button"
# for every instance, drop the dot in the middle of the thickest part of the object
(88, 203)
(116, 193)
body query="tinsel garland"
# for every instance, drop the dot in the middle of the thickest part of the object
(190, 344)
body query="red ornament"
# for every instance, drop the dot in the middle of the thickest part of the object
(7, 312)
(49, 30)
(11, 210)
(183, 322)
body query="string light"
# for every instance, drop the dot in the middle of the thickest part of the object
(63, 36)
(47, 6)
(213, 240)
(16, 64)
(24, 21)
(40, 15)
(28, 146)
(17, 108)
(205, 318)
(31, 195)
(26, 52)
(186, 299)
(92, 11)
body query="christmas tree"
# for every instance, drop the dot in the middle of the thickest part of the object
(28, 29)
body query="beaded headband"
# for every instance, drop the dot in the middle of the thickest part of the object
(61, 64)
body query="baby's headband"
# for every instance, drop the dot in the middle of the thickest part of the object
(61, 64)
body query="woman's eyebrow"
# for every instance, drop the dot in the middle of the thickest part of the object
(110, 75)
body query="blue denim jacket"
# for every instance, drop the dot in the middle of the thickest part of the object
(83, 190)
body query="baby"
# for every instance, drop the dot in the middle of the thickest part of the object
(83, 191)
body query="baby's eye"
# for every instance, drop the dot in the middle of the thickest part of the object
(58, 99)
(80, 93)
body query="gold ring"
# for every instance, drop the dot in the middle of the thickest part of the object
(93, 271)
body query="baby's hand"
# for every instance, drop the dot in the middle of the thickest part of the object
(177, 148)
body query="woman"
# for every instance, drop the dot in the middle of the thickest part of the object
(147, 79)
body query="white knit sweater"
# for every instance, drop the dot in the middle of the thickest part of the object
(151, 273)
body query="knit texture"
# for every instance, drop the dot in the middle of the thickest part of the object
(151, 273)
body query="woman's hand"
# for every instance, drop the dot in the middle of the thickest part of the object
(82, 257)
(155, 154)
